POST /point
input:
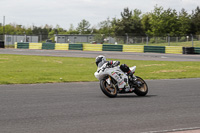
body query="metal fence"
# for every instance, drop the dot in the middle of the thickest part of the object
(152, 40)
(1, 37)
(185, 40)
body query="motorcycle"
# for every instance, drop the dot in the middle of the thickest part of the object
(113, 81)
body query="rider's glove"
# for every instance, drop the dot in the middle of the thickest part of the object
(110, 63)
(113, 63)
(116, 63)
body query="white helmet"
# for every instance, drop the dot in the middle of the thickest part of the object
(100, 60)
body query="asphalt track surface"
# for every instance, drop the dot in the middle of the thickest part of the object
(108, 54)
(171, 105)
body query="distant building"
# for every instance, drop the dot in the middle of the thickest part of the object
(11, 39)
(74, 38)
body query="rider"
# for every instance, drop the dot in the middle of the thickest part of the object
(100, 60)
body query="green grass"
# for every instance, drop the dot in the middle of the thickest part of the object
(23, 69)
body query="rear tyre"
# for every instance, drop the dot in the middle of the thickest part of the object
(142, 88)
(108, 90)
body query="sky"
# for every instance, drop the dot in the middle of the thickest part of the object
(66, 12)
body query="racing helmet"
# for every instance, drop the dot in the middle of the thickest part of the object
(100, 60)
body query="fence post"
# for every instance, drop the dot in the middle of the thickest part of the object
(147, 39)
(142, 39)
(126, 38)
(192, 40)
(168, 40)
(40, 36)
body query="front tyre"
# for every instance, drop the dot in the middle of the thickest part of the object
(108, 89)
(142, 88)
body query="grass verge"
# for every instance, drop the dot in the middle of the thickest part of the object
(24, 69)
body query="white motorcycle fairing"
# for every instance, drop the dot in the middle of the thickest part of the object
(115, 72)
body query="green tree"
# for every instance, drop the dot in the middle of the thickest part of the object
(28, 31)
(19, 30)
(105, 27)
(156, 21)
(122, 26)
(163, 22)
(146, 26)
(137, 23)
(184, 22)
(129, 23)
(72, 30)
(170, 22)
(84, 27)
(195, 19)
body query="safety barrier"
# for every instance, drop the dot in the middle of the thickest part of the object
(61, 46)
(92, 47)
(106, 47)
(173, 49)
(75, 46)
(197, 50)
(188, 50)
(154, 49)
(15, 45)
(2, 44)
(23, 45)
(48, 46)
(133, 48)
(35, 45)
(112, 47)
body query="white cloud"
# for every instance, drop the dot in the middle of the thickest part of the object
(66, 12)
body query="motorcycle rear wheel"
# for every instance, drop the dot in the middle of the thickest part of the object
(108, 90)
(143, 89)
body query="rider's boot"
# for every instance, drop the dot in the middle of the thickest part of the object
(130, 75)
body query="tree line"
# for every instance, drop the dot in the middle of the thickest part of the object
(159, 22)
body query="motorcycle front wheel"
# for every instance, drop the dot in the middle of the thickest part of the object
(108, 90)
(142, 88)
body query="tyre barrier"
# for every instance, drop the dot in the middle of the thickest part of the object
(133, 48)
(23, 45)
(35, 45)
(93, 47)
(61, 46)
(106, 47)
(75, 46)
(197, 50)
(154, 49)
(188, 50)
(173, 49)
(2, 44)
(48, 46)
(112, 47)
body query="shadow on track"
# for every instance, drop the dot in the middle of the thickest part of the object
(134, 96)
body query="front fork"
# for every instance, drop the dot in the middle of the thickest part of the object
(108, 80)
(111, 83)
(133, 81)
